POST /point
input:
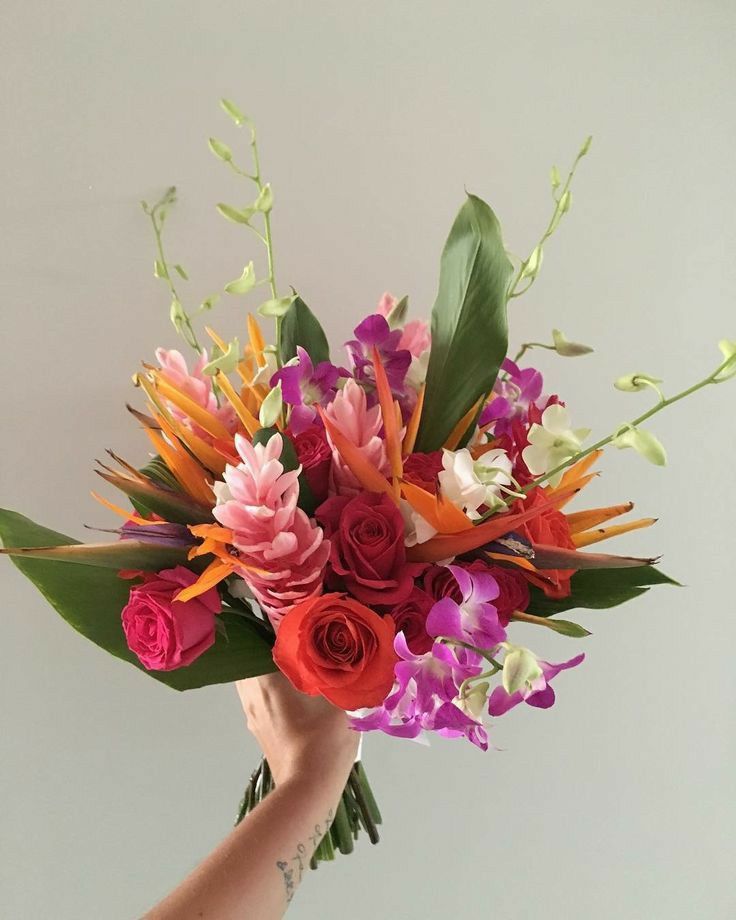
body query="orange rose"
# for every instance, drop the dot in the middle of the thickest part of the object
(335, 646)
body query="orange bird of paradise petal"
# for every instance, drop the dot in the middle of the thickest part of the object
(592, 517)
(462, 426)
(604, 533)
(441, 514)
(391, 429)
(412, 429)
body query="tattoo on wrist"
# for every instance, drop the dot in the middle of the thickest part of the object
(292, 870)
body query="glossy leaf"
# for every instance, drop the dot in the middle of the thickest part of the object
(300, 327)
(91, 600)
(600, 589)
(469, 328)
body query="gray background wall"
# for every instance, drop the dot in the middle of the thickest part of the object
(619, 803)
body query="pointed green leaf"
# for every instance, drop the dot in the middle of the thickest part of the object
(600, 589)
(469, 329)
(91, 600)
(301, 327)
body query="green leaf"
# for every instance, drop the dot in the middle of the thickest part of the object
(301, 327)
(122, 554)
(469, 329)
(91, 600)
(600, 589)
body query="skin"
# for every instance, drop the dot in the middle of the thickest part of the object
(255, 871)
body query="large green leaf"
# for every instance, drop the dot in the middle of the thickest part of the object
(91, 599)
(301, 327)
(469, 329)
(600, 589)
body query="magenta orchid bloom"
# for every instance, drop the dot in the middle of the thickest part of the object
(513, 394)
(304, 386)
(474, 619)
(374, 332)
(422, 698)
(539, 694)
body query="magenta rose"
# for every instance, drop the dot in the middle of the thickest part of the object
(166, 634)
(315, 457)
(410, 617)
(367, 547)
(438, 581)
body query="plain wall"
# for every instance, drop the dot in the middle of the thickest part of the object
(373, 118)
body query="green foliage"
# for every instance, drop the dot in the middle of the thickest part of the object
(600, 589)
(91, 599)
(469, 328)
(301, 327)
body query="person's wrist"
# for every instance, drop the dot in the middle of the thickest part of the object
(319, 762)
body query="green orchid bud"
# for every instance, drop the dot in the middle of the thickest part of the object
(554, 178)
(236, 215)
(177, 315)
(586, 145)
(271, 407)
(566, 202)
(220, 150)
(520, 668)
(276, 307)
(226, 362)
(566, 348)
(643, 442)
(728, 350)
(179, 269)
(246, 282)
(233, 111)
(159, 270)
(474, 702)
(264, 202)
(397, 316)
(634, 383)
(531, 267)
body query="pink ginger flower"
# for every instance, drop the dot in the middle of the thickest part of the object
(415, 334)
(362, 426)
(258, 502)
(197, 386)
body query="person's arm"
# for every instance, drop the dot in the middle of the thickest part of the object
(257, 868)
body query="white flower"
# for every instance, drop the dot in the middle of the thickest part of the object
(416, 528)
(469, 483)
(553, 442)
(265, 373)
(417, 373)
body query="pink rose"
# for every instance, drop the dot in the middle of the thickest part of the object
(164, 633)
(367, 547)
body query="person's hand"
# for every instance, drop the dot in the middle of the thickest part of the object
(298, 734)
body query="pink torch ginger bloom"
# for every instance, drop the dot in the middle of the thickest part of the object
(362, 426)
(197, 386)
(258, 502)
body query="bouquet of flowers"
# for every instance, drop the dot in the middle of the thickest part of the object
(388, 528)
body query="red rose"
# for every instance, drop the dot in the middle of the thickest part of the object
(550, 528)
(513, 591)
(423, 469)
(368, 553)
(334, 646)
(315, 456)
(410, 616)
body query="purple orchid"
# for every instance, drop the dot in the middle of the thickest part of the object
(537, 692)
(474, 619)
(374, 332)
(513, 393)
(305, 386)
(423, 697)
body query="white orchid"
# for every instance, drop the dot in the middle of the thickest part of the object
(469, 484)
(416, 528)
(553, 442)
